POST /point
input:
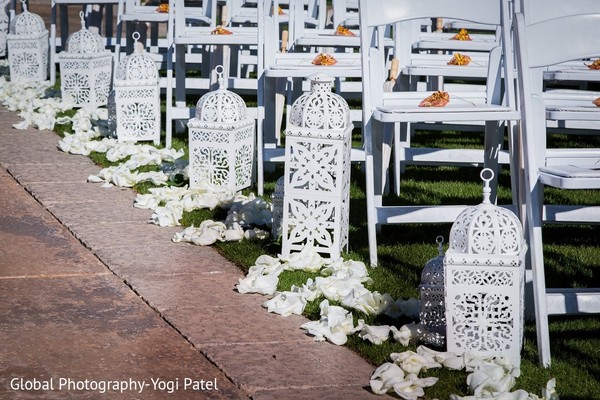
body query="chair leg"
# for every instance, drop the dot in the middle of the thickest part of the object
(493, 131)
(373, 165)
(534, 230)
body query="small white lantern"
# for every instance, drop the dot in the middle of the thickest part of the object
(484, 269)
(433, 312)
(28, 47)
(3, 26)
(277, 207)
(137, 97)
(221, 140)
(85, 68)
(317, 171)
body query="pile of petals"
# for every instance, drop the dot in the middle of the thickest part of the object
(343, 281)
(490, 377)
(27, 97)
(244, 213)
(340, 281)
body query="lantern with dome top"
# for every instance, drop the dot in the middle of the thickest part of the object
(432, 310)
(3, 26)
(484, 281)
(85, 68)
(316, 197)
(27, 43)
(137, 96)
(221, 140)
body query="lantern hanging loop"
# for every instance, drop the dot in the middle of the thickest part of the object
(82, 17)
(220, 70)
(486, 188)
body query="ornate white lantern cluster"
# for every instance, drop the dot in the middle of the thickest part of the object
(432, 309)
(85, 68)
(317, 171)
(3, 26)
(137, 97)
(221, 140)
(484, 282)
(28, 47)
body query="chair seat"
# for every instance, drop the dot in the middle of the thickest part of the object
(240, 36)
(570, 177)
(462, 110)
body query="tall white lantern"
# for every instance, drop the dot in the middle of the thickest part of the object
(137, 97)
(316, 201)
(431, 292)
(85, 68)
(28, 47)
(3, 26)
(484, 269)
(221, 140)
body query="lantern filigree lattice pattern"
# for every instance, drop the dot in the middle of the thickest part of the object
(317, 172)
(221, 138)
(484, 281)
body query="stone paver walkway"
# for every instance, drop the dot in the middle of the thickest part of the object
(90, 291)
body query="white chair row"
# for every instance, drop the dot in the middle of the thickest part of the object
(548, 34)
(547, 37)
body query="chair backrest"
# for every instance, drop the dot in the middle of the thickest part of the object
(192, 16)
(541, 10)
(306, 15)
(345, 12)
(542, 44)
(376, 15)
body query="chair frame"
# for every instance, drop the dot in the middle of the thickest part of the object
(572, 38)
(402, 105)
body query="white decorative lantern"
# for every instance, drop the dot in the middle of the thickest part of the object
(277, 207)
(28, 47)
(137, 97)
(221, 140)
(3, 26)
(317, 171)
(85, 69)
(484, 269)
(433, 312)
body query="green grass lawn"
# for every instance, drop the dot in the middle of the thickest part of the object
(572, 258)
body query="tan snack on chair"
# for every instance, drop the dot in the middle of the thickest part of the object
(324, 59)
(219, 30)
(343, 31)
(463, 34)
(459, 59)
(594, 65)
(437, 99)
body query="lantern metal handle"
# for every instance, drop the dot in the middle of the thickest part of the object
(486, 181)
(440, 241)
(137, 46)
(81, 16)
(220, 70)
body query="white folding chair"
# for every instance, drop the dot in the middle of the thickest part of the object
(133, 14)
(196, 47)
(567, 109)
(381, 107)
(539, 45)
(294, 64)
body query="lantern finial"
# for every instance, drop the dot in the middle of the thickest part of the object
(81, 15)
(138, 46)
(440, 241)
(486, 188)
(219, 70)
